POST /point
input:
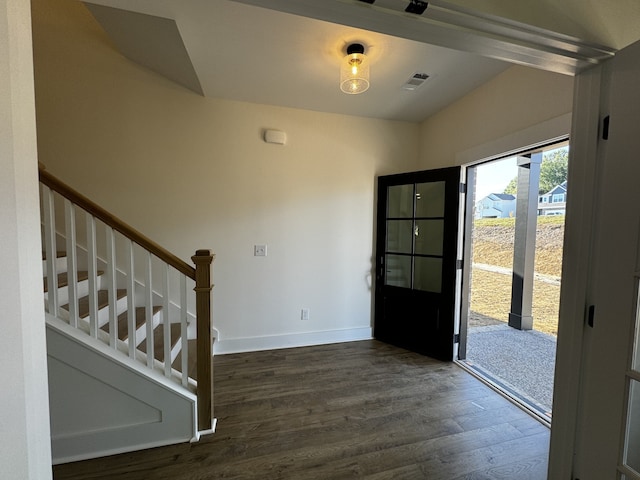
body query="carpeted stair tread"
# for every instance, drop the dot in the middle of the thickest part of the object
(123, 321)
(158, 340)
(63, 279)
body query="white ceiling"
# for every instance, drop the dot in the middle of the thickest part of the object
(265, 56)
(248, 53)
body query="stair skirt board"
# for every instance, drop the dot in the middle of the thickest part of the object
(103, 403)
(273, 342)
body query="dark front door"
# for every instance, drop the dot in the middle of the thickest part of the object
(416, 252)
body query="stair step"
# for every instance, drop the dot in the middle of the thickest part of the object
(103, 301)
(192, 362)
(63, 279)
(158, 340)
(59, 254)
(123, 321)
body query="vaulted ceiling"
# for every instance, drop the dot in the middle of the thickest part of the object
(288, 52)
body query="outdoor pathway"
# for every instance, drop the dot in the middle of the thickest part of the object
(550, 279)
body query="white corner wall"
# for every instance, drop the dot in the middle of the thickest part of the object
(519, 107)
(25, 451)
(193, 172)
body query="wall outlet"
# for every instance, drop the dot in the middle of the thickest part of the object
(259, 250)
(304, 314)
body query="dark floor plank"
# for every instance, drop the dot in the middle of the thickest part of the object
(530, 469)
(353, 410)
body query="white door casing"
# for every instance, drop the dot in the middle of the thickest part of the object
(608, 258)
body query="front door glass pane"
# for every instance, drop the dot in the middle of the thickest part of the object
(429, 237)
(428, 274)
(398, 271)
(636, 343)
(632, 449)
(399, 236)
(430, 199)
(400, 201)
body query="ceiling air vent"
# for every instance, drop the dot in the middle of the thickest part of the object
(416, 80)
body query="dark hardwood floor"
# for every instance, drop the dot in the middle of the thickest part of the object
(350, 410)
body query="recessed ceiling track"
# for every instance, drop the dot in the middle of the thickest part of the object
(452, 26)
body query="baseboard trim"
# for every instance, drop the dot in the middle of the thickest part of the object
(291, 340)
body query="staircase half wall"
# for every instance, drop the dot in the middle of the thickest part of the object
(103, 403)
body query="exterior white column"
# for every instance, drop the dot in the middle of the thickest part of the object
(25, 450)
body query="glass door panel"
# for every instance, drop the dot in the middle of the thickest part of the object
(430, 199)
(631, 448)
(429, 235)
(398, 271)
(428, 274)
(400, 236)
(636, 343)
(400, 201)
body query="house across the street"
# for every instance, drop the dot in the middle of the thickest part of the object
(496, 205)
(554, 202)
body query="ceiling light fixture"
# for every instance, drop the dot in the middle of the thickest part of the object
(354, 71)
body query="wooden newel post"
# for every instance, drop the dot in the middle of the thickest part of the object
(202, 260)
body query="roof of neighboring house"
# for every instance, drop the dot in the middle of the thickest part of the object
(502, 196)
(562, 188)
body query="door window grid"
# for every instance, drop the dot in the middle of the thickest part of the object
(399, 247)
(630, 468)
(415, 236)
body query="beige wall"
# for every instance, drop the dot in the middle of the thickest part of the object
(193, 172)
(505, 110)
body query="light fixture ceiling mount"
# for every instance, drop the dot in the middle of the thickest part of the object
(354, 71)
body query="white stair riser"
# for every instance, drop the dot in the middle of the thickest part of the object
(61, 265)
(103, 313)
(141, 333)
(177, 348)
(83, 291)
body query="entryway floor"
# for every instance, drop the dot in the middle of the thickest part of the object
(364, 410)
(520, 362)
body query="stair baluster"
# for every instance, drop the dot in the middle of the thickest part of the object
(148, 303)
(92, 258)
(51, 253)
(131, 304)
(166, 321)
(184, 316)
(72, 261)
(112, 287)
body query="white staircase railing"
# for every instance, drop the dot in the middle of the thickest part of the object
(120, 287)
